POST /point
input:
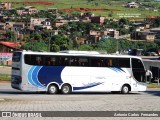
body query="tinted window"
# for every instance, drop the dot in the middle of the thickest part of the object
(34, 59)
(55, 60)
(138, 70)
(72, 61)
(16, 57)
(124, 62)
(110, 62)
(97, 62)
(136, 63)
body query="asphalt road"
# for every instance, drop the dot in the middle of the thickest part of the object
(14, 100)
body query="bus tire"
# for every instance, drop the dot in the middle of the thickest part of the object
(125, 89)
(66, 89)
(52, 89)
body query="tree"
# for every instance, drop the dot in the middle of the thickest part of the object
(10, 35)
(61, 41)
(107, 45)
(35, 46)
(38, 37)
(85, 47)
(55, 48)
(123, 21)
(156, 22)
(110, 14)
(124, 31)
(114, 25)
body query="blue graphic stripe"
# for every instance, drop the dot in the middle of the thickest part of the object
(35, 76)
(117, 70)
(88, 86)
(30, 76)
(48, 74)
(121, 70)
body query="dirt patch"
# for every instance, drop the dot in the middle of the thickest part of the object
(5, 81)
(88, 9)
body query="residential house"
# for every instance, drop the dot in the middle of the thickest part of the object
(95, 36)
(9, 24)
(54, 11)
(5, 5)
(143, 35)
(97, 19)
(2, 18)
(2, 26)
(141, 26)
(151, 18)
(132, 5)
(17, 26)
(157, 31)
(28, 10)
(8, 46)
(87, 14)
(6, 50)
(37, 22)
(95, 33)
(58, 24)
(111, 33)
(46, 25)
(3, 35)
(6, 58)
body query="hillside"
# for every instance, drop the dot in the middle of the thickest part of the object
(98, 7)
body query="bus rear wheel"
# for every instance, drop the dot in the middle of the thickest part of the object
(66, 89)
(52, 89)
(125, 89)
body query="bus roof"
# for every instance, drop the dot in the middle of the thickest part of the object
(78, 53)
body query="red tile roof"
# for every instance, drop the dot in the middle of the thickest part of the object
(10, 44)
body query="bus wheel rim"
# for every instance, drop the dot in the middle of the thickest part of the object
(66, 89)
(125, 89)
(52, 89)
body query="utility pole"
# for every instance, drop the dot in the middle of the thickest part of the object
(49, 42)
(49, 45)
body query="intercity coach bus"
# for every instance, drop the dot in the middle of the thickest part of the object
(77, 71)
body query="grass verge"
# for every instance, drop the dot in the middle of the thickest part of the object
(5, 77)
(153, 85)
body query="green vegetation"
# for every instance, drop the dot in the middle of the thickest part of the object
(114, 7)
(5, 77)
(153, 85)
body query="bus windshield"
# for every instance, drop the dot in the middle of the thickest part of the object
(16, 57)
(138, 70)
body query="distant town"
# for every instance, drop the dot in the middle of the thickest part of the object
(29, 28)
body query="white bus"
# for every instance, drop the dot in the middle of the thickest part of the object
(77, 71)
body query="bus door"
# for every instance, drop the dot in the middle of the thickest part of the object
(138, 72)
(120, 66)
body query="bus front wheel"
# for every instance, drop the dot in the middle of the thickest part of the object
(52, 89)
(66, 89)
(125, 89)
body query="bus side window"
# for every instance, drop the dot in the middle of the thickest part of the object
(38, 60)
(58, 61)
(27, 59)
(53, 61)
(106, 63)
(48, 61)
(110, 63)
(33, 59)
